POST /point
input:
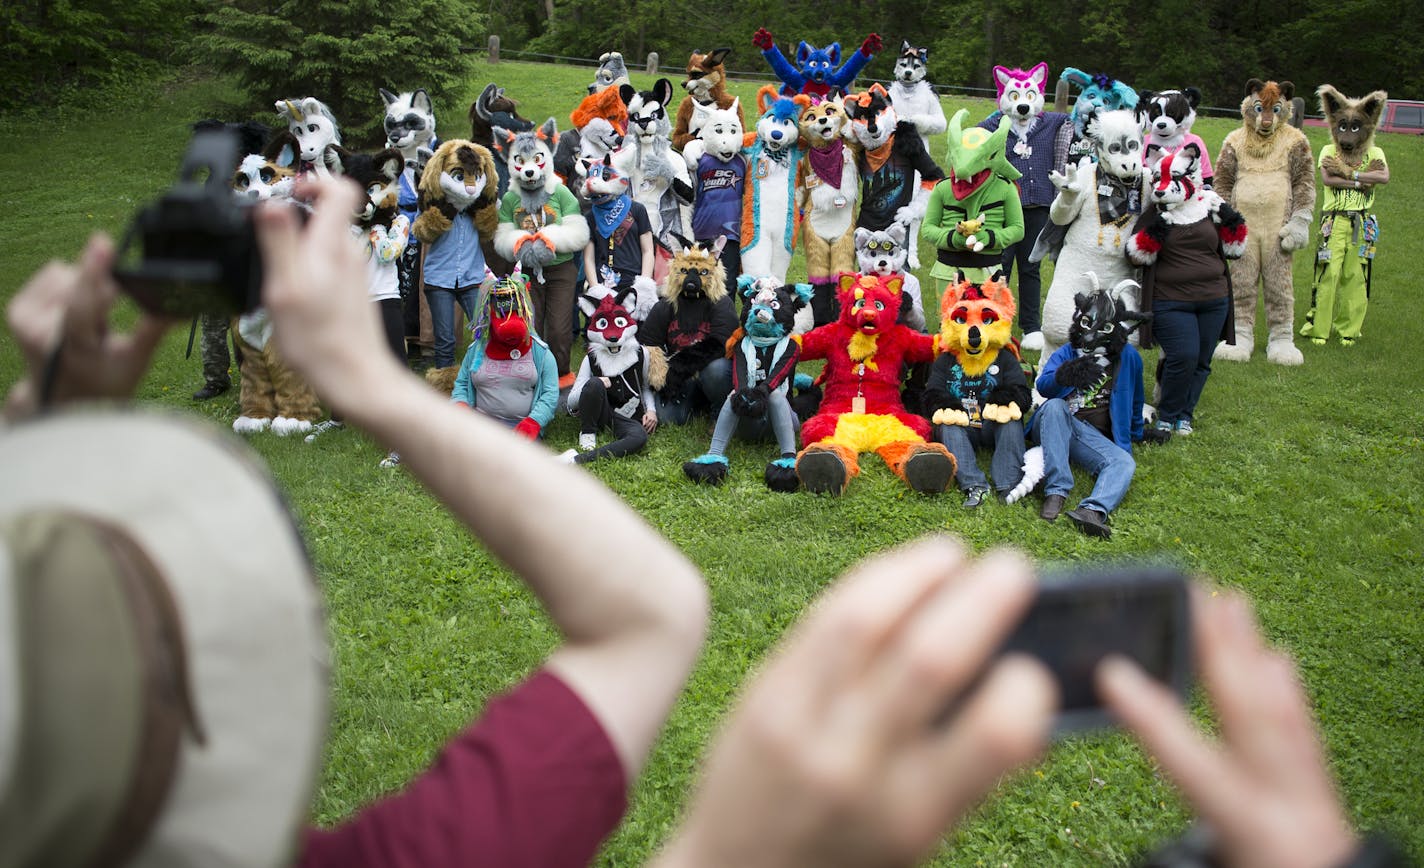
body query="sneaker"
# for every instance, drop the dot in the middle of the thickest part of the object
(1183, 428)
(974, 497)
(323, 427)
(392, 459)
(1164, 425)
(569, 456)
(588, 442)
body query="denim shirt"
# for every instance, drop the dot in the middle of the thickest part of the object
(454, 260)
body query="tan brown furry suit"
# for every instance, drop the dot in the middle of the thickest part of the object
(270, 390)
(1266, 171)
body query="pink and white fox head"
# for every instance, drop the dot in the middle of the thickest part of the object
(1021, 92)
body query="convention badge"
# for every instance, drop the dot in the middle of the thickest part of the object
(515, 353)
(857, 404)
(839, 201)
(763, 167)
(1104, 190)
(1134, 201)
(971, 408)
(812, 181)
(1023, 149)
(994, 370)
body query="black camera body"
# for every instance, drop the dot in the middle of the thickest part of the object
(199, 250)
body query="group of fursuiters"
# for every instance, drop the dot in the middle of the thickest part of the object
(672, 228)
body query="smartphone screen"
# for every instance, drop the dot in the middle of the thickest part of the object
(1085, 613)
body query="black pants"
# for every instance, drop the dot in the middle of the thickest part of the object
(1030, 287)
(596, 413)
(393, 321)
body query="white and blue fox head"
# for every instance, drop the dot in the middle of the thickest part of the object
(777, 127)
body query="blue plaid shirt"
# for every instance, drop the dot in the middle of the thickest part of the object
(1047, 151)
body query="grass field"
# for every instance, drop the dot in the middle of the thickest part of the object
(1302, 487)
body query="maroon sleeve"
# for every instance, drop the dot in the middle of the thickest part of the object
(534, 781)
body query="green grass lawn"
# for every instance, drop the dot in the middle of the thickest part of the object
(1302, 487)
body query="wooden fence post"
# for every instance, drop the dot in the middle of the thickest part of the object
(1297, 111)
(494, 48)
(1060, 96)
(652, 63)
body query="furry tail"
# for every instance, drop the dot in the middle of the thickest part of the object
(1032, 474)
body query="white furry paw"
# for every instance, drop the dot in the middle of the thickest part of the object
(249, 425)
(1284, 352)
(283, 426)
(1149, 412)
(1241, 352)
(1032, 341)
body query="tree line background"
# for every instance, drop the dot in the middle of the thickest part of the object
(340, 52)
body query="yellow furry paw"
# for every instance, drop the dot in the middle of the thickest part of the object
(1002, 413)
(969, 227)
(947, 416)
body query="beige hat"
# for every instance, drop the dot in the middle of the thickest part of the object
(163, 661)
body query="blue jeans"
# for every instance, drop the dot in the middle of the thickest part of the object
(1007, 464)
(709, 388)
(442, 318)
(1067, 439)
(1187, 332)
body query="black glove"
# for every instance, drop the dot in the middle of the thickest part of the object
(751, 402)
(1156, 436)
(1082, 372)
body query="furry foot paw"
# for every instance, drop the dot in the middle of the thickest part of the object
(1284, 352)
(249, 425)
(1240, 352)
(781, 475)
(706, 469)
(1032, 341)
(822, 472)
(569, 456)
(929, 472)
(283, 426)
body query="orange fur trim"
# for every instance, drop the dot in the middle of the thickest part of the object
(606, 104)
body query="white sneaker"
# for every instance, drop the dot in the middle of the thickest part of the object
(588, 442)
(392, 459)
(568, 456)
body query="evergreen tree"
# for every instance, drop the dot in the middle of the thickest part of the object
(341, 53)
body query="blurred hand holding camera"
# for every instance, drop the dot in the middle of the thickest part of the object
(836, 755)
(60, 319)
(1264, 787)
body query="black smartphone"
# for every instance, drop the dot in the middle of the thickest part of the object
(1084, 613)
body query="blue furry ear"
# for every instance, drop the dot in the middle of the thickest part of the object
(803, 53)
(286, 157)
(1126, 95)
(745, 284)
(1075, 76)
(834, 50)
(803, 294)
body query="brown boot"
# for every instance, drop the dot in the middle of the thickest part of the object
(1052, 505)
(1091, 522)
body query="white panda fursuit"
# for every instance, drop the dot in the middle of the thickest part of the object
(533, 233)
(315, 129)
(1096, 209)
(658, 176)
(914, 100)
